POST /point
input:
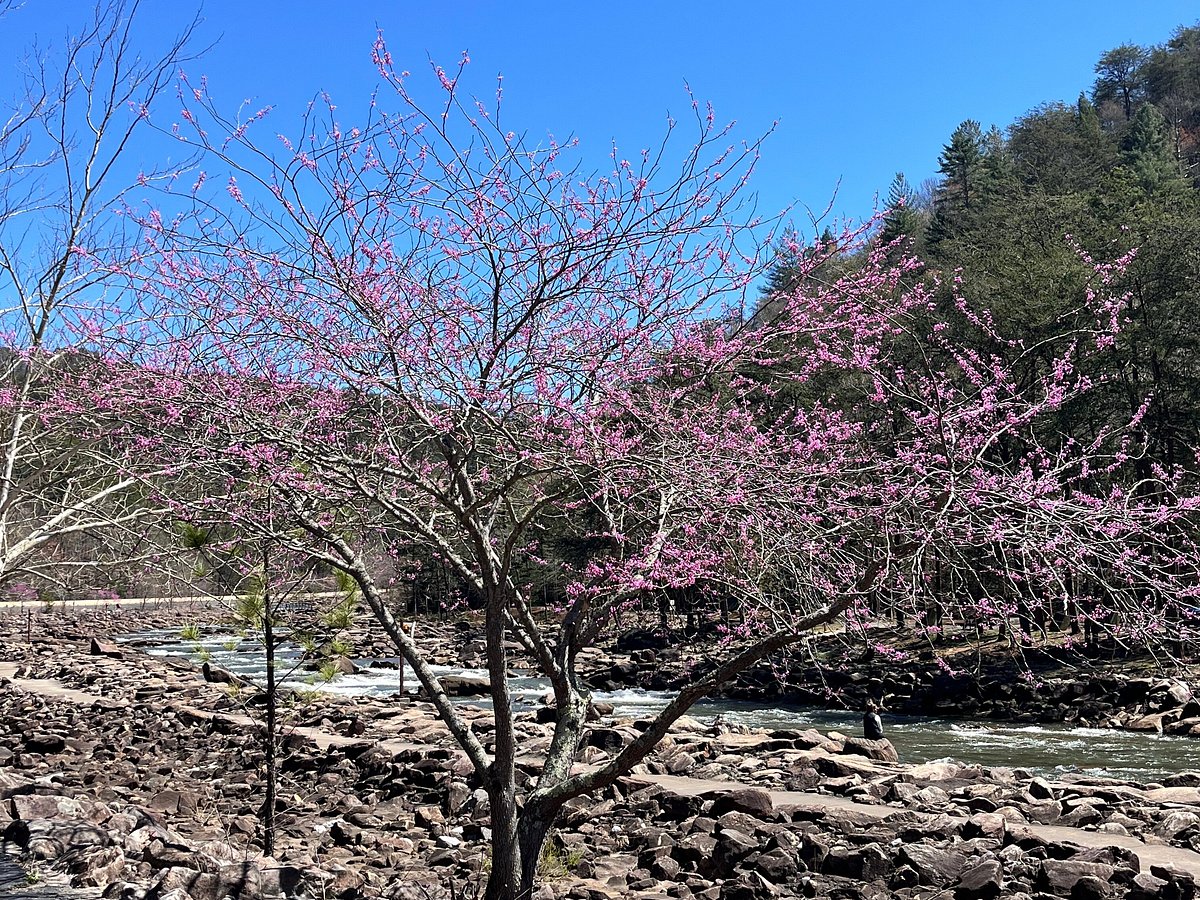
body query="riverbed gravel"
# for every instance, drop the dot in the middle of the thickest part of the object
(132, 776)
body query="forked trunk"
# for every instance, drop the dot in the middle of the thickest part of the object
(516, 851)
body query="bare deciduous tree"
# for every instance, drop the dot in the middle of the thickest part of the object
(67, 167)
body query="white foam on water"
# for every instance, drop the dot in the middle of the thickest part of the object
(1044, 748)
(629, 695)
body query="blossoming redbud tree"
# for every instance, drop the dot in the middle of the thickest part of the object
(430, 332)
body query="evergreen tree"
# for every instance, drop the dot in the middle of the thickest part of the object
(794, 266)
(783, 274)
(960, 161)
(901, 218)
(1173, 70)
(996, 169)
(1087, 121)
(1059, 149)
(1148, 150)
(1172, 78)
(959, 164)
(1097, 151)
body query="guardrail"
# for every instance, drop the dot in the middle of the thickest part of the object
(304, 602)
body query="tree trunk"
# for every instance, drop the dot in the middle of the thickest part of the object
(501, 783)
(268, 822)
(412, 631)
(504, 880)
(516, 852)
(531, 835)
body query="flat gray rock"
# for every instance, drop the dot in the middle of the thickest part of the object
(16, 885)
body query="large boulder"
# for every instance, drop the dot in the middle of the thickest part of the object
(465, 685)
(35, 807)
(343, 665)
(985, 825)
(1176, 822)
(733, 846)
(47, 839)
(44, 742)
(1169, 693)
(696, 852)
(47, 826)
(936, 866)
(752, 801)
(983, 881)
(1146, 886)
(174, 802)
(777, 865)
(1154, 721)
(610, 740)
(240, 882)
(103, 648)
(864, 863)
(811, 739)
(97, 867)
(881, 750)
(1062, 876)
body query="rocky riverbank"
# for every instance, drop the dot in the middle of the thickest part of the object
(139, 779)
(1044, 685)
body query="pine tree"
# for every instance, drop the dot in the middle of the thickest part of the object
(1148, 150)
(1172, 79)
(782, 276)
(794, 265)
(901, 218)
(960, 164)
(1087, 120)
(960, 161)
(996, 171)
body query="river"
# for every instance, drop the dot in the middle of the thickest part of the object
(1045, 749)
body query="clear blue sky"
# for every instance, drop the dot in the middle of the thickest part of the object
(860, 90)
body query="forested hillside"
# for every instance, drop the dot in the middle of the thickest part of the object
(1014, 214)
(1008, 235)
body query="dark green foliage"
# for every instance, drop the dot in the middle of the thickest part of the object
(1148, 152)
(998, 166)
(961, 165)
(960, 162)
(1157, 355)
(1087, 122)
(1120, 78)
(797, 264)
(1016, 216)
(903, 218)
(1172, 77)
(783, 275)
(1058, 148)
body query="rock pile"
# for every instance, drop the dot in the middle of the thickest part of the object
(149, 785)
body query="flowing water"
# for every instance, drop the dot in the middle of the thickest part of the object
(1040, 748)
